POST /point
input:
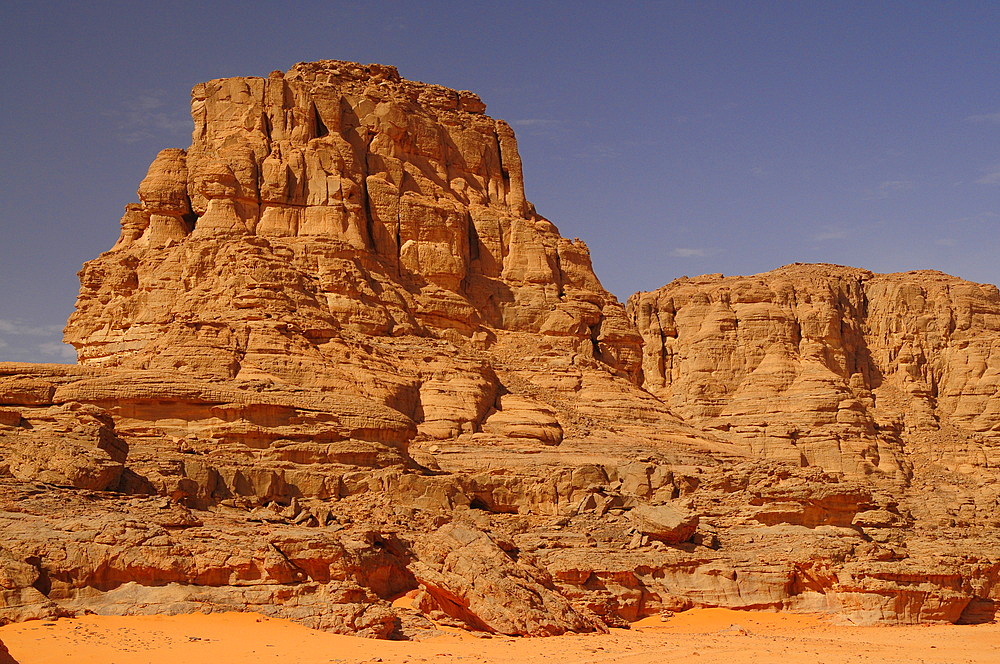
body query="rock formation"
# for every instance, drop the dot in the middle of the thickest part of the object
(336, 201)
(338, 369)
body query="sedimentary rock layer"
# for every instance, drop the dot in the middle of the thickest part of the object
(338, 369)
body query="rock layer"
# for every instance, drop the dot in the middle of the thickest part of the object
(338, 369)
(820, 365)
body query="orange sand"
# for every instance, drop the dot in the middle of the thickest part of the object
(709, 635)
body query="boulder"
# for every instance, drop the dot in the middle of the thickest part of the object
(670, 523)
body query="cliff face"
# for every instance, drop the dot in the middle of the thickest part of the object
(331, 200)
(336, 359)
(821, 365)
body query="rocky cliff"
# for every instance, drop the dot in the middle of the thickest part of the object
(336, 200)
(338, 369)
(820, 365)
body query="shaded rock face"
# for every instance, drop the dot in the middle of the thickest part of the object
(5, 657)
(337, 369)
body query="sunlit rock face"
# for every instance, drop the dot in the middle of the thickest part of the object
(334, 200)
(337, 369)
(338, 228)
(829, 366)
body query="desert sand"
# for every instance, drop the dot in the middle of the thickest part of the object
(707, 634)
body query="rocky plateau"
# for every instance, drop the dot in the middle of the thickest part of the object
(338, 369)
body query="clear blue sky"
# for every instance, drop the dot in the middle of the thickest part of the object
(674, 137)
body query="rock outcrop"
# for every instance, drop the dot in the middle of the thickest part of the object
(886, 377)
(331, 201)
(830, 366)
(338, 369)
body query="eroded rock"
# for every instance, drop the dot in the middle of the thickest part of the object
(336, 360)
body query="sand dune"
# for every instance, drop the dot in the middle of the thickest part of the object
(705, 635)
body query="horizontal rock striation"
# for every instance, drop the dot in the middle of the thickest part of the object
(337, 369)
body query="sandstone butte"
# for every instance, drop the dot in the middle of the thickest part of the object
(337, 369)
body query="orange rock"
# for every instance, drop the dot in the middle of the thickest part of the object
(337, 197)
(828, 366)
(336, 357)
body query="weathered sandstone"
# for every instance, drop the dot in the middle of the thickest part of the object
(337, 369)
(829, 366)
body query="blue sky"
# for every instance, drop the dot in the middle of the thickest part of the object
(676, 138)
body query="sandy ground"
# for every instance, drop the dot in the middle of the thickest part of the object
(707, 635)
